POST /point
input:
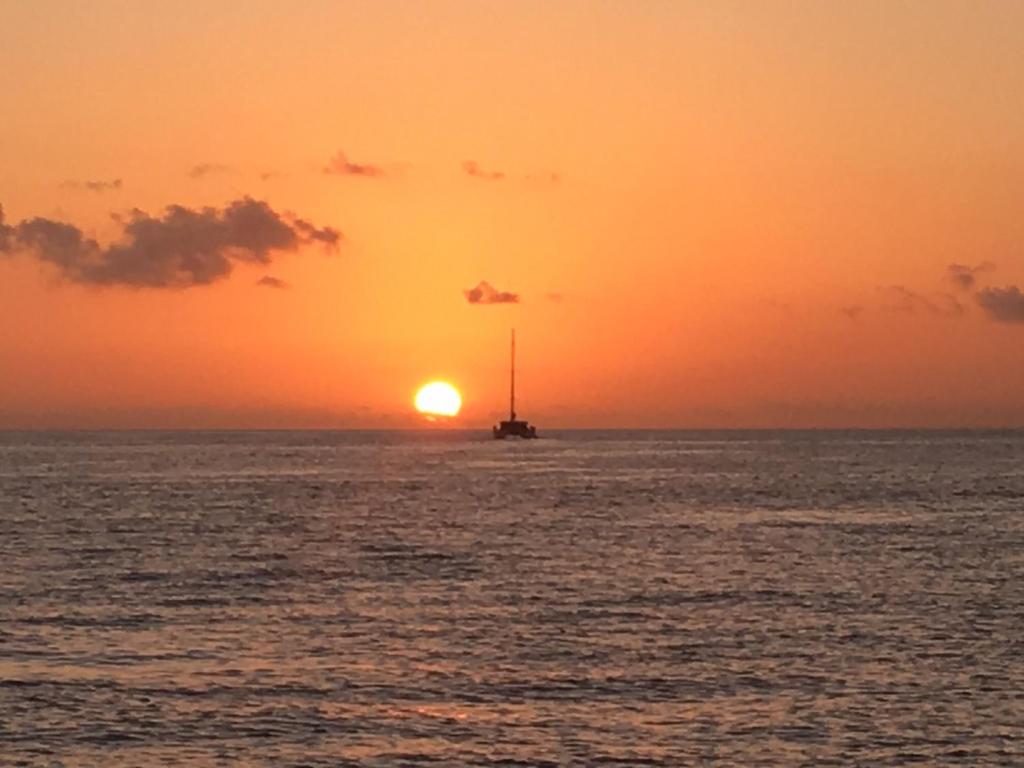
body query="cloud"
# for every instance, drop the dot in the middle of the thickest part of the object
(1004, 305)
(485, 293)
(269, 281)
(6, 234)
(965, 277)
(853, 311)
(555, 297)
(94, 186)
(471, 168)
(208, 169)
(340, 165)
(901, 299)
(183, 248)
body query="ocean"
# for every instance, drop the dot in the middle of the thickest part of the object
(443, 599)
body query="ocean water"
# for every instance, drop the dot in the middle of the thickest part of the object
(440, 598)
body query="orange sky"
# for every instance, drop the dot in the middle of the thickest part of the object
(713, 214)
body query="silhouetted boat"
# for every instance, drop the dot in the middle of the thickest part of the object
(513, 427)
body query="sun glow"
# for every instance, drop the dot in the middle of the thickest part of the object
(438, 398)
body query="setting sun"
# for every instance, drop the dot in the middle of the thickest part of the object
(438, 398)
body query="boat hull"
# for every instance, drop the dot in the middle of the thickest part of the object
(514, 428)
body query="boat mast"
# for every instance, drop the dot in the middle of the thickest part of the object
(512, 396)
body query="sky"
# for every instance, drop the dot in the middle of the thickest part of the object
(271, 214)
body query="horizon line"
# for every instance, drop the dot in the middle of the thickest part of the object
(451, 430)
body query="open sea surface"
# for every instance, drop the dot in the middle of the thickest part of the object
(443, 599)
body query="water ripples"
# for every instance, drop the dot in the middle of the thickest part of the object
(379, 599)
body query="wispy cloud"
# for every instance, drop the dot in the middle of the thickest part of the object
(94, 186)
(966, 277)
(203, 170)
(852, 311)
(472, 168)
(182, 248)
(340, 165)
(899, 298)
(485, 293)
(1004, 305)
(269, 281)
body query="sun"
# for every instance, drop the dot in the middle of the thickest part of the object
(438, 398)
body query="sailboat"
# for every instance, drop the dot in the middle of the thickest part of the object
(513, 427)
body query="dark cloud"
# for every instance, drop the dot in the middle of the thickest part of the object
(94, 186)
(208, 169)
(485, 293)
(899, 298)
(340, 165)
(471, 168)
(965, 277)
(853, 311)
(6, 235)
(183, 248)
(1004, 305)
(269, 281)
(308, 233)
